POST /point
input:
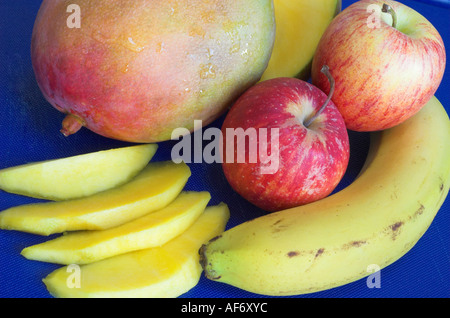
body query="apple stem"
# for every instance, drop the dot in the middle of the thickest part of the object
(388, 9)
(71, 124)
(325, 70)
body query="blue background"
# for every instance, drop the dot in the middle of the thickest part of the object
(29, 131)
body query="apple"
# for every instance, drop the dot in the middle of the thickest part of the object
(137, 70)
(387, 60)
(312, 146)
(299, 27)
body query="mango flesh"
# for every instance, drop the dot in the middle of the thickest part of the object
(151, 230)
(166, 271)
(77, 176)
(152, 189)
(137, 70)
(299, 27)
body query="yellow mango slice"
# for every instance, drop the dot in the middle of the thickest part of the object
(300, 25)
(150, 230)
(77, 176)
(166, 271)
(154, 188)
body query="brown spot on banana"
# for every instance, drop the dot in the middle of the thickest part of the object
(278, 227)
(210, 274)
(319, 252)
(395, 228)
(420, 210)
(278, 221)
(441, 184)
(354, 244)
(215, 238)
(311, 252)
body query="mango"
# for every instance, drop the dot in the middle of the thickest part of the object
(137, 70)
(151, 230)
(166, 271)
(77, 176)
(299, 28)
(154, 188)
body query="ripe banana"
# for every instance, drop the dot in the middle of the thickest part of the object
(332, 242)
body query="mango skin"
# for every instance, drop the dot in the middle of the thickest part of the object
(136, 70)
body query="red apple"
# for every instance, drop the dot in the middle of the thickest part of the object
(308, 160)
(386, 64)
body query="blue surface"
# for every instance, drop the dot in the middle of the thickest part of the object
(29, 131)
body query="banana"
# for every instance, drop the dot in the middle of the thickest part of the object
(332, 242)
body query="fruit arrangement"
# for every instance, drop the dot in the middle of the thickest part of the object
(126, 222)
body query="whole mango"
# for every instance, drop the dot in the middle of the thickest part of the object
(137, 70)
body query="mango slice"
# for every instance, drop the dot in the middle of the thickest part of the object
(154, 188)
(77, 176)
(166, 271)
(150, 230)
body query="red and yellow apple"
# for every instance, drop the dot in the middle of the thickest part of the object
(312, 146)
(387, 65)
(136, 70)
